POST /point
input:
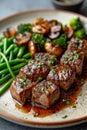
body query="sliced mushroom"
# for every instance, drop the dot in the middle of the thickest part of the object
(38, 21)
(48, 46)
(55, 31)
(53, 22)
(68, 30)
(9, 32)
(39, 29)
(33, 48)
(46, 26)
(53, 49)
(57, 50)
(22, 39)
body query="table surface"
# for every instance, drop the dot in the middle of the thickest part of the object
(8, 7)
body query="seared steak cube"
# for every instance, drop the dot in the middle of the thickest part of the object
(63, 76)
(74, 59)
(46, 58)
(66, 76)
(45, 93)
(21, 89)
(53, 75)
(79, 45)
(35, 70)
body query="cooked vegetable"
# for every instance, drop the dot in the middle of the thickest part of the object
(27, 55)
(68, 30)
(8, 76)
(38, 21)
(11, 47)
(10, 32)
(76, 23)
(57, 50)
(61, 41)
(39, 29)
(22, 28)
(78, 27)
(39, 39)
(7, 63)
(5, 44)
(81, 33)
(48, 46)
(53, 22)
(33, 48)
(21, 51)
(13, 62)
(55, 31)
(5, 86)
(22, 39)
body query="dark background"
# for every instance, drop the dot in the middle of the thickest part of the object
(8, 7)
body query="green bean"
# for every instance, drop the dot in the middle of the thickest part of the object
(10, 41)
(5, 71)
(0, 56)
(7, 63)
(15, 51)
(16, 67)
(11, 55)
(11, 47)
(1, 44)
(5, 78)
(1, 60)
(21, 51)
(5, 86)
(5, 45)
(13, 62)
(27, 55)
(1, 38)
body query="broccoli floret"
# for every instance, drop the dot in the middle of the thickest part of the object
(24, 28)
(39, 39)
(81, 33)
(61, 41)
(76, 23)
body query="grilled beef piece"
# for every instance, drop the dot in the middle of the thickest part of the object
(53, 75)
(46, 58)
(63, 76)
(21, 89)
(74, 59)
(79, 45)
(45, 93)
(35, 70)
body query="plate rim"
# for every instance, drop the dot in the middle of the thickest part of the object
(24, 122)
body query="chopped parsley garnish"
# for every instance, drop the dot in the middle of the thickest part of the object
(52, 60)
(80, 94)
(78, 41)
(67, 101)
(53, 71)
(64, 116)
(33, 103)
(40, 79)
(74, 106)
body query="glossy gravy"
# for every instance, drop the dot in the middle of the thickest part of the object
(66, 98)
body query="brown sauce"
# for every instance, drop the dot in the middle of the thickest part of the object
(66, 99)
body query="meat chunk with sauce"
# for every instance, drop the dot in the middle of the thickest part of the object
(35, 70)
(63, 76)
(79, 45)
(21, 89)
(74, 59)
(45, 93)
(46, 58)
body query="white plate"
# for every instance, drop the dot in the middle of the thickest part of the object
(7, 105)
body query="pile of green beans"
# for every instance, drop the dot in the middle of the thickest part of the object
(12, 58)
